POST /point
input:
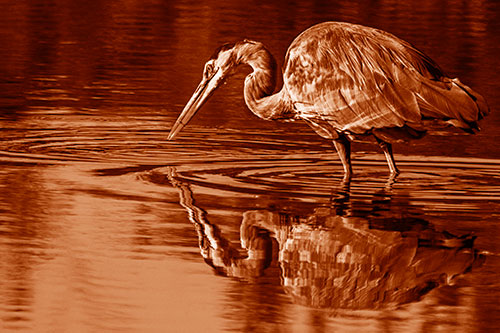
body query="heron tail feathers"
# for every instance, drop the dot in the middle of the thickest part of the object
(452, 102)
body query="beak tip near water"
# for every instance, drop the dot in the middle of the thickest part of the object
(181, 121)
(174, 131)
(199, 97)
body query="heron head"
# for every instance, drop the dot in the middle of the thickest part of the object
(217, 68)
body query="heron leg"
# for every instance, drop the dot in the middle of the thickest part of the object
(387, 148)
(343, 146)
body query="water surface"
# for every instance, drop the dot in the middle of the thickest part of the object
(240, 224)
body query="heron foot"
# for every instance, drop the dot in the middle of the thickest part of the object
(391, 180)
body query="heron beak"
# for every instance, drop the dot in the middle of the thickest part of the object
(200, 96)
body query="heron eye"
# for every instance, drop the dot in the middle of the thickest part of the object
(209, 70)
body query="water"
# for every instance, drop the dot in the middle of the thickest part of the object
(240, 224)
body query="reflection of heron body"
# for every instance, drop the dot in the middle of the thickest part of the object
(345, 81)
(345, 262)
(332, 258)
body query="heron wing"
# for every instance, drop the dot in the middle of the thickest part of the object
(349, 78)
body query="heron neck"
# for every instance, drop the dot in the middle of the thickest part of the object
(260, 84)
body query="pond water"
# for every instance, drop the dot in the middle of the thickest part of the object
(239, 224)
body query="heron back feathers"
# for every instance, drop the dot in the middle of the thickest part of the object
(356, 79)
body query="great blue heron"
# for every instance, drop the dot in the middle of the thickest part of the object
(346, 81)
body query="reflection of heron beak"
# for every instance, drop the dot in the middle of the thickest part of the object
(200, 96)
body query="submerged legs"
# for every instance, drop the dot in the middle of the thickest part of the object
(387, 148)
(343, 146)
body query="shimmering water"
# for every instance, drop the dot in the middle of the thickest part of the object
(240, 224)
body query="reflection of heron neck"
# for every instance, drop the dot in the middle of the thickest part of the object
(206, 232)
(217, 251)
(260, 84)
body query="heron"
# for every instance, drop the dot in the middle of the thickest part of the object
(348, 82)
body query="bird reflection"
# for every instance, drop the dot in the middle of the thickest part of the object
(216, 250)
(337, 257)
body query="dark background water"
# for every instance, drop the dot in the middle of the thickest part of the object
(240, 224)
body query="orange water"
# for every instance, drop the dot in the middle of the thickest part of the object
(240, 224)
